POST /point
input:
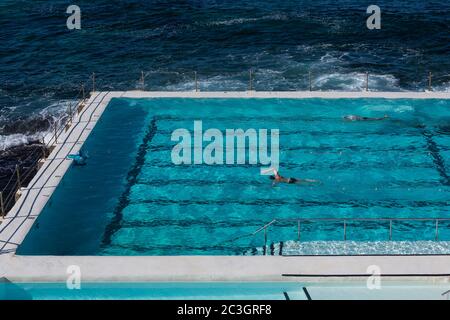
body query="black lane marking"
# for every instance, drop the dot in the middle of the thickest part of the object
(301, 203)
(438, 160)
(157, 163)
(259, 183)
(132, 176)
(167, 248)
(306, 293)
(286, 296)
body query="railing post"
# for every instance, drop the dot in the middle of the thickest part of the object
(310, 81)
(19, 184)
(298, 230)
(390, 230)
(196, 81)
(367, 81)
(142, 79)
(437, 230)
(265, 241)
(83, 92)
(250, 81)
(430, 76)
(56, 133)
(93, 81)
(2, 204)
(265, 236)
(345, 230)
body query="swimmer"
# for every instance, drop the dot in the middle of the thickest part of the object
(353, 117)
(278, 178)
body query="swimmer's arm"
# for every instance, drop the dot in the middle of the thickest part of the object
(275, 172)
(270, 170)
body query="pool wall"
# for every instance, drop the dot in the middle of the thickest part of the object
(19, 220)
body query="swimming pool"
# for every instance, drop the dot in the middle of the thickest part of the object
(222, 291)
(152, 291)
(132, 200)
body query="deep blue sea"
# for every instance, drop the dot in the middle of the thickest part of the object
(43, 63)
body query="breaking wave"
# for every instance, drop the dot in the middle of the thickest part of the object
(18, 131)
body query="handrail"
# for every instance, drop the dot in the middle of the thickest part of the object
(348, 219)
(345, 221)
(265, 226)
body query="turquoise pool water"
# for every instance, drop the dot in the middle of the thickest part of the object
(132, 200)
(152, 291)
(356, 290)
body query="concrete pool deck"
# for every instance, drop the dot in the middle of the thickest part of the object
(21, 217)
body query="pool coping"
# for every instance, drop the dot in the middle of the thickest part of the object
(434, 269)
(17, 223)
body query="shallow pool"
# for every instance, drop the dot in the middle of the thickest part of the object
(223, 291)
(130, 199)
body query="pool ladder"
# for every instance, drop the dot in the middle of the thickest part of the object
(344, 222)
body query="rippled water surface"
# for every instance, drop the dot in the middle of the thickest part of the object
(43, 63)
(132, 200)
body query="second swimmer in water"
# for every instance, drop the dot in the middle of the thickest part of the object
(359, 118)
(278, 178)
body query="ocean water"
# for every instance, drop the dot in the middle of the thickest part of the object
(43, 64)
(132, 200)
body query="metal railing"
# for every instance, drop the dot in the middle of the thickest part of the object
(426, 83)
(299, 221)
(20, 178)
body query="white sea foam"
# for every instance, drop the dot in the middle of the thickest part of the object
(54, 113)
(235, 21)
(13, 140)
(445, 87)
(213, 83)
(353, 81)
